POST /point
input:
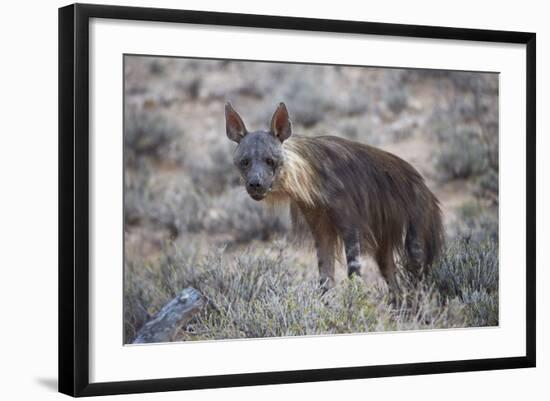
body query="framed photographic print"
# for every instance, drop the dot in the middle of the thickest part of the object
(250, 199)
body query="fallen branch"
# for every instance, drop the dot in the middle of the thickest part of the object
(164, 325)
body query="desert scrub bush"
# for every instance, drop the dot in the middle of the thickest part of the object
(213, 171)
(466, 123)
(463, 153)
(394, 94)
(305, 97)
(356, 103)
(477, 222)
(136, 297)
(180, 206)
(149, 135)
(466, 267)
(460, 289)
(468, 273)
(265, 292)
(487, 185)
(233, 212)
(175, 204)
(149, 284)
(396, 100)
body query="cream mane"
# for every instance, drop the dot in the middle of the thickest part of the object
(297, 180)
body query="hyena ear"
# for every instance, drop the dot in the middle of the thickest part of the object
(234, 125)
(281, 126)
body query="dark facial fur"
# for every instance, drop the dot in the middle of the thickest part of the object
(259, 155)
(258, 158)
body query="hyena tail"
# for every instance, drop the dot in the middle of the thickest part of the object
(424, 240)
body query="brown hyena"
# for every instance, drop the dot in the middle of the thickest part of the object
(350, 195)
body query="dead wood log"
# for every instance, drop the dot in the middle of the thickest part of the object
(164, 325)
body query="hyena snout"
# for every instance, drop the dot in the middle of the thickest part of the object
(254, 185)
(256, 188)
(257, 184)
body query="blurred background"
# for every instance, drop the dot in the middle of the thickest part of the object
(183, 200)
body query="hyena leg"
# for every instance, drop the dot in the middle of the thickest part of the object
(325, 237)
(325, 261)
(353, 252)
(413, 248)
(386, 264)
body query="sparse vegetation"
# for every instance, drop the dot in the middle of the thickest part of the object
(188, 222)
(463, 155)
(147, 134)
(265, 293)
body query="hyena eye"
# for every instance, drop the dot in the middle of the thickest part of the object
(269, 161)
(244, 163)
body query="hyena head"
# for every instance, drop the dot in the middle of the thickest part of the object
(259, 154)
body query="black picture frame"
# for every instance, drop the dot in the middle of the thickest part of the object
(74, 194)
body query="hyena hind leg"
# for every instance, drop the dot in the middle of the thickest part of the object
(353, 252)
(413, 248)
(386, 264)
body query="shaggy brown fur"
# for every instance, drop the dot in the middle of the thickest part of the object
(350, 195)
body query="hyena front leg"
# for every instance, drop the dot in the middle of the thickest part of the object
(353, 252)
(325, 238)
(325, 261)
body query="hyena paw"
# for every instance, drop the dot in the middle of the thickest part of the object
(354, 271)
(326, 283)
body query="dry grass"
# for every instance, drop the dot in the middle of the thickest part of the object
(266, 293)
